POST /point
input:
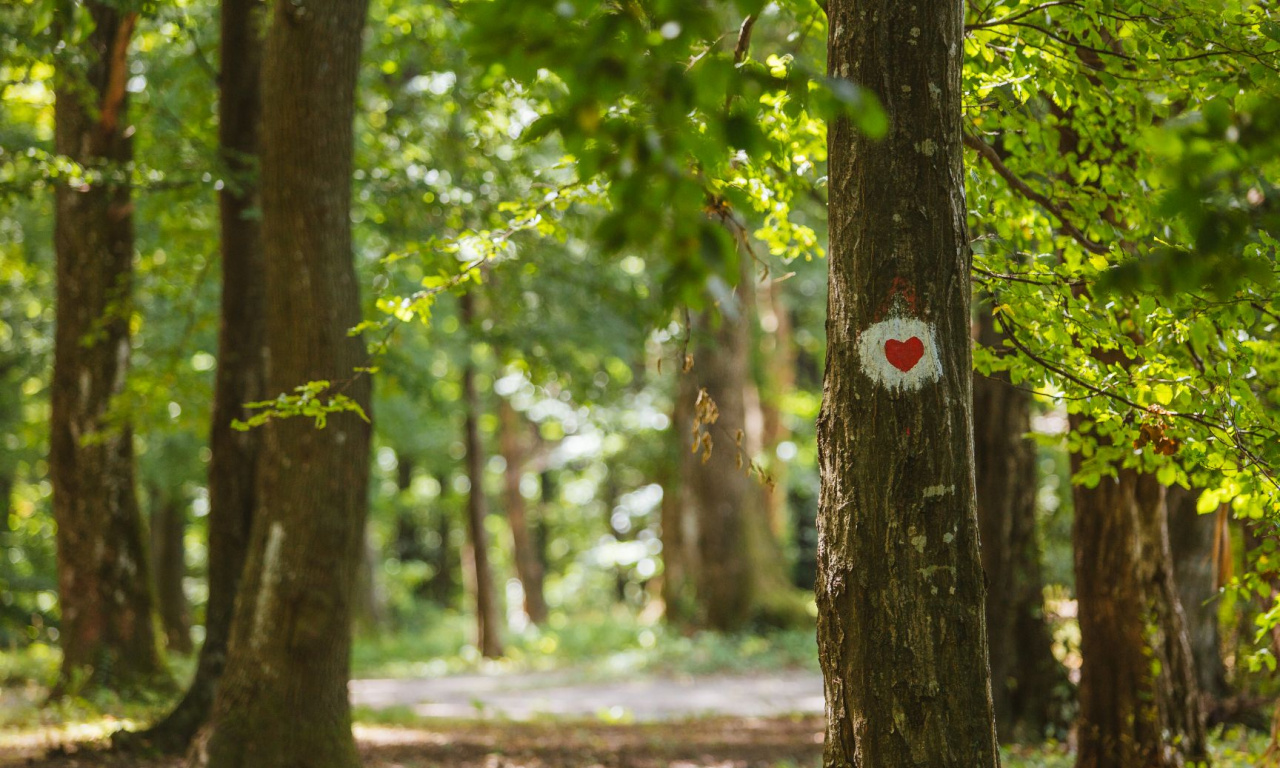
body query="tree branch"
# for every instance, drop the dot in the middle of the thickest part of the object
(992, 157)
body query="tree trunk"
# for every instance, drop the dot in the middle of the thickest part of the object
(104, 582)
(719, 491)
(1138, 700)
(283, 700)
(901, 626)
(1191, 539)
(233, 463)
(169, 564)
(778, 349)
(488, 615)
(679, 533)
(1027, 682)
(740, 575)
(515, 449)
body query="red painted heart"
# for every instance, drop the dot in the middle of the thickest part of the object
(904, 355)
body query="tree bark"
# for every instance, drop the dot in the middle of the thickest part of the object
(515, 449)
(1191, 540)
(282, 700)
(1027, 682)
(104, 582)
(778, 349)
(240, 377)
(720, 493)
(901, 626)
(1139, 704)
(488, 615)
(740, 576)
(679, 527)
(169, 564)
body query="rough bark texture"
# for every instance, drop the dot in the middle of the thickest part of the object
(233, 462)
(1027, 682)
(720, 492)
(488, 614)
(514, 442)
(282, 700)
(104, 581)
(901, 626)
(1139, 706)
(169, 564)
(1191, 539)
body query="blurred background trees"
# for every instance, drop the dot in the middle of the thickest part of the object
(568, 223)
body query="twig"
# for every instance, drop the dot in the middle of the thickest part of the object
(993, 158)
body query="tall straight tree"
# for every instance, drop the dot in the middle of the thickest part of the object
(741, 574)
(233, 463)
(488, 612)
(168, 564)
(104, 580)
(1027, 682)
(1200, 545)
(901, 626)
(282, 700)
(1139, 698)
(515, 438)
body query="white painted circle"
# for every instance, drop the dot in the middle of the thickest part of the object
(900, 353)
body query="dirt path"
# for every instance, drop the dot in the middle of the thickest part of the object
(526, 696)
(717, 743)
(481, 721)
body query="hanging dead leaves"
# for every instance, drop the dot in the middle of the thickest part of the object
(1154, 431)
(705, 415)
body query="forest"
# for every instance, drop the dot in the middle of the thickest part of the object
(638, 383)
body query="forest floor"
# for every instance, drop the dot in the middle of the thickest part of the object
(704, 743)
(531, 719)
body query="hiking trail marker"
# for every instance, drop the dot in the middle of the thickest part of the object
(899, 351)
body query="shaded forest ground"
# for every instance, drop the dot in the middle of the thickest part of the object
(396, 737)
(780, 742)
(710, 742)
(600, 665)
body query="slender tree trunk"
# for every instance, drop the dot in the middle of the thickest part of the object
(1191, 539)
(679, 533)
(741, 573)
(901, 626)
(1027, 682)
(169, 564)
(515, 449)
(282, 701)
(488, 614)
(778, 348)
(104, 582)
(240, 378)
(1139, 704)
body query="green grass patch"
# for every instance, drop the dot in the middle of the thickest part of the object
(604, 645)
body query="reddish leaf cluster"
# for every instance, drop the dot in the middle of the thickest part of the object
(1155, 431)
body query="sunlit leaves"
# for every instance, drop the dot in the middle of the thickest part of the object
(670, 102)
(316, 400)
